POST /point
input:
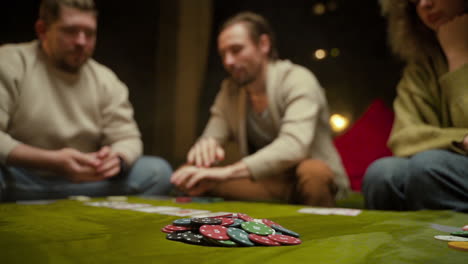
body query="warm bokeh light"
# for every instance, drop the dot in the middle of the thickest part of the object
(320, 54)
(319, 9)
(335, 52)
(338, 123)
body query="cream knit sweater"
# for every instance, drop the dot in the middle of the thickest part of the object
(44, 107)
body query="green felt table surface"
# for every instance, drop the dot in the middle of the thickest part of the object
(71, 232)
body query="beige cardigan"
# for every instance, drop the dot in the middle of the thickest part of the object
(300, 115)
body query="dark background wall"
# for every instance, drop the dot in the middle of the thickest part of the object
(129, 33)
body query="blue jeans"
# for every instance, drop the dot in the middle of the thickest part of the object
(434, 179)
(147, 176)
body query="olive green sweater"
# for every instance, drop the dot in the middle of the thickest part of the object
(44, 107)
(431, 107)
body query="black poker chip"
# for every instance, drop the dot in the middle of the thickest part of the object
(192, 238)
(176, 236)
(206, 221)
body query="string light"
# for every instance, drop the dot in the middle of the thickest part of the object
(338, 123)
(320, 54)
(319, 9)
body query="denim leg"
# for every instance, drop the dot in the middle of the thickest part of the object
(23, 184)
(149, 176)
(383, 184)
(439, 180)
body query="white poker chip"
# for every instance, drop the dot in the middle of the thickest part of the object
(465, 228)
(451, 238)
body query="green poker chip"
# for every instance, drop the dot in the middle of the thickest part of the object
(257, 228)
(227, 243)
(224, 243)
(460, 233)
(240, 236)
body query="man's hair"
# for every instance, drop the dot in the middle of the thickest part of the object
(257, 26)
(408, 37)
(49, 10)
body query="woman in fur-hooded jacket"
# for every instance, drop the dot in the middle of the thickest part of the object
(428, 139)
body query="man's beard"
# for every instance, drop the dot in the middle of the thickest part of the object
(72, 61)
(70, 68)
(245, 81)
(248, 78)
(67, 67)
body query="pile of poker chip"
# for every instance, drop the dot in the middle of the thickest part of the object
(230, 230)
(457, 239)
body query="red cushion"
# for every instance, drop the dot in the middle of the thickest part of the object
(365, 141)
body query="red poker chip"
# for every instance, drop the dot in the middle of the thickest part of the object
(183, 199)
(217, 232)
(263, 240)
(177, 228)
(226, 221)
(465, 228)
(224, 215)
(284, 239)
(165, 230)
(245, 217)
(268, 222)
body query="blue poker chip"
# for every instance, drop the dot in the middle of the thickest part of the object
(239, 236)
(182, 222)
(237, 222)
(284, 231)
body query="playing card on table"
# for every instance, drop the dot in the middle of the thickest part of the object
(185, 212)
(214, 214)
(157, 209)
(128, 206)
(330, 211)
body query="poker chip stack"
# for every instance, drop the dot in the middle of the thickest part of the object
(230, 230)
(456, 240)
